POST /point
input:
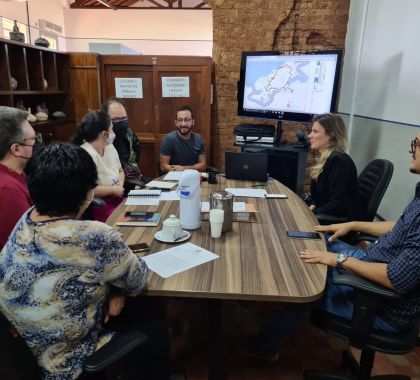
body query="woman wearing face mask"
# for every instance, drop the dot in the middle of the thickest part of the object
(334, 176)
(94, 134)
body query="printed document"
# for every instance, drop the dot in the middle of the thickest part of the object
(178, 259)
(169, 196)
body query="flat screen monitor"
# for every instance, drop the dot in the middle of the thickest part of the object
(289, 87)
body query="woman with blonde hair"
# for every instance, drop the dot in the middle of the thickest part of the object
(334, 189)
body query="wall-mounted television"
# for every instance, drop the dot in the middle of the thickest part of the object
(289, 86)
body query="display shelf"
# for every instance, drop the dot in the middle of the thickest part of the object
(42, 76)
(16, 56)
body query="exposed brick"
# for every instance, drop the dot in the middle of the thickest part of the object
(262, 25)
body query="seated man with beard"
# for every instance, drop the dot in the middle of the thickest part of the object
(183, 149)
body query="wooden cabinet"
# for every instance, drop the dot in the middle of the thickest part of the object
(85, 88)
(152, 116)
(42, 75)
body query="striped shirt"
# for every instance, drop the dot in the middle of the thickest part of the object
(400, 249)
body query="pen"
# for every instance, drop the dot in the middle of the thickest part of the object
(260, 185)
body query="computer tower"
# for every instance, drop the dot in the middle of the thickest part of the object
(285, 164)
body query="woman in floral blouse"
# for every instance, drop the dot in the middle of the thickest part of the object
(56, 270)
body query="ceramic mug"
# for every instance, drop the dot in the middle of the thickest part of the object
(171, 229)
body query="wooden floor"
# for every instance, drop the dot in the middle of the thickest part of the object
(308, 348)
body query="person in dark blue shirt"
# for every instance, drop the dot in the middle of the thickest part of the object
(393, 261)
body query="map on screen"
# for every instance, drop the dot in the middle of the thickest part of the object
(301, 83)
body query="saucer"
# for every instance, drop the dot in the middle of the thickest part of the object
(185, 236)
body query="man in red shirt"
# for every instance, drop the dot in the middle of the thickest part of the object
(17, 139)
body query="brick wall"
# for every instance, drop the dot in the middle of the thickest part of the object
(264, 25)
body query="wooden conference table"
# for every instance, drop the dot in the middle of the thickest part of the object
(257, 261)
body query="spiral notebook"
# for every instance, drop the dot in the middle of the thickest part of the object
(143, 197)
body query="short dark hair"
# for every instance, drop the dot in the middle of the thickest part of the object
(185, 108)
(59, 177)
(92, 124)
(105, 105)
(11, 131)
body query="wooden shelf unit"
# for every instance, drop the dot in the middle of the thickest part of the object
(34, 68)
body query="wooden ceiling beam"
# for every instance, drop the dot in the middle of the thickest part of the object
(156, 3)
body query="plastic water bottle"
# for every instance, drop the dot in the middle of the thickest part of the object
(190, 199)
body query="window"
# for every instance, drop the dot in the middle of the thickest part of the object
(51, 37)
(8, 27)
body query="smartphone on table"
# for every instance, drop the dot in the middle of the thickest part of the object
(139, 247)
(139, 214)
(303, 235)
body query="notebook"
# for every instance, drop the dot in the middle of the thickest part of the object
(246, 166)
(143, 197)
(146, 221)
(161, 185)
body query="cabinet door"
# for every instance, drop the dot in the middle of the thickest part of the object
(195, 93)
(84, 82)
(139, 110)
(152, 115)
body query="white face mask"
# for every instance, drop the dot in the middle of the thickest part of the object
(111, 137)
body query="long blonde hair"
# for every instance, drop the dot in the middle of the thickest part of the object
(336, 130)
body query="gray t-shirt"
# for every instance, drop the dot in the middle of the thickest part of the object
(182, 152)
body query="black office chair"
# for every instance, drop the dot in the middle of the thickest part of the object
(372, 184)
(359, 332)
(130, 184)
(14, 350)
(87, 215)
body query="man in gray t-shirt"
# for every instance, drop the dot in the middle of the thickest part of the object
(182, 149)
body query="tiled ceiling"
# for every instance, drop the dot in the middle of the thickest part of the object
(139, 4)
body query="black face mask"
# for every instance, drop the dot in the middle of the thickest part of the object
(35, 149)
(120, 128)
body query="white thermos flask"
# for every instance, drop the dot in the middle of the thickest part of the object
(190, 199)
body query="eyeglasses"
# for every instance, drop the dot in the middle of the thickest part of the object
(119, 119)
(186, 120)
(35, 139)
(413, 145)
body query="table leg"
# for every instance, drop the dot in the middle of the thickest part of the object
(217, 342)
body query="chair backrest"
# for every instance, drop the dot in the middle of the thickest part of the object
(372, 183)
(13, 349)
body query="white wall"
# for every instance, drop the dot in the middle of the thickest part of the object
(164, 32)
(38, 9)
(380, 90)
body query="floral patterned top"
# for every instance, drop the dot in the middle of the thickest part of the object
(54, 280)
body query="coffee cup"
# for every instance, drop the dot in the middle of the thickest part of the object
(171, 229)
(216, 218)
(212, 176)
